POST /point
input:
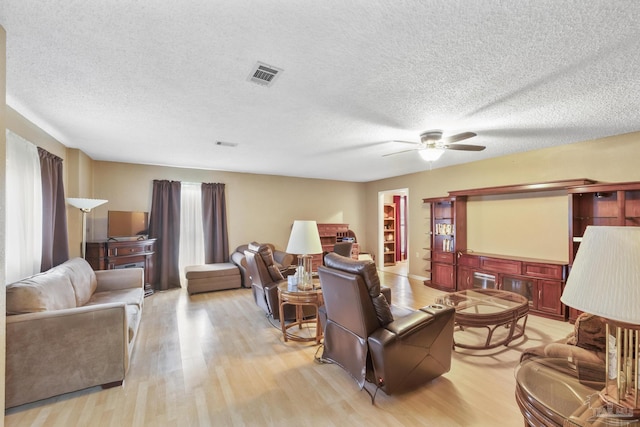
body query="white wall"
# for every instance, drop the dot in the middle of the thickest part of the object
(3, 162)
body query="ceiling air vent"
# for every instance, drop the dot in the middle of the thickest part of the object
(226, 144)
(263, 74)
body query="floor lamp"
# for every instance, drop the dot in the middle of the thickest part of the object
(605, 281)
(85, 205)
(304, 241)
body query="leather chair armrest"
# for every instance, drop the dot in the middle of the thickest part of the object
(404, 326)
(273, 301)
(239, 259)
(283, 258)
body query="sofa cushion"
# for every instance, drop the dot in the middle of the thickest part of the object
(129, 296)
(51, 290)
(206, 271)
(83, 279)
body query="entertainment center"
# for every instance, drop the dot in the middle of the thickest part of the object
(453, 267)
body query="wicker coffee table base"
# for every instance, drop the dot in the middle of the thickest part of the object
(491, 323)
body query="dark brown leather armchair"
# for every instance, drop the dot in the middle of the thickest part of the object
(265, 277)
(282, 260)
(343, 248)
(394, 348)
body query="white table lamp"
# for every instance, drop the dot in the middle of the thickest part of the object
(605, 281)
(304, 241)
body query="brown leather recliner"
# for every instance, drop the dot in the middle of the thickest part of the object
(394, 348)
(283, 260)
(343, 248)
(265, 277)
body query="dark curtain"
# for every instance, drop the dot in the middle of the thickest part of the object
(164, 225)
(55, 243)
(214, 224)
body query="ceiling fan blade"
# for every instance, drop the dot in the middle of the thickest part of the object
(405, 142)
(464, 147)
(458, 137)
(398, 152)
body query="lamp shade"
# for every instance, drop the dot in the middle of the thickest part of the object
(431, 154)
(87, 204)
(605, 277)
(304, 238)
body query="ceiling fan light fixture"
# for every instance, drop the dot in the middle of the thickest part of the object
(431, 154)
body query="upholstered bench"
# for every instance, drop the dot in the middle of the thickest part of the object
(212, 277)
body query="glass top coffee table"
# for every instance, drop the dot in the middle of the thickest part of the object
(489, 309)
(565, 393)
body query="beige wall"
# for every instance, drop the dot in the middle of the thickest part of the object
(531, 226)
(78, 169)
(259, 207)
(19, 125)
(3, 162)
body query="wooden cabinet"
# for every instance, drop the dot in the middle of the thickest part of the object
(611, 204)
(389, 233)
(601, 204)
(109, 255)
(330, 234)
(540, 281)
(448, 234)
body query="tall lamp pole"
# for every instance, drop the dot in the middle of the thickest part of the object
(85, 205)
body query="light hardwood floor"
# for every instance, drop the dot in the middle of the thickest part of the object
(214, 360)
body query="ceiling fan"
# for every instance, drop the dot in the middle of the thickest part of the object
(432, 144)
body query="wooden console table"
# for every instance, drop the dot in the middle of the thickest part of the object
(111, 254)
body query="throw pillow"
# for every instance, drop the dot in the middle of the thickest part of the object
(589, 333)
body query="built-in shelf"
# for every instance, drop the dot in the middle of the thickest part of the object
(389, 234)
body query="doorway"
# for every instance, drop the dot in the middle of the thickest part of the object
(393, 233)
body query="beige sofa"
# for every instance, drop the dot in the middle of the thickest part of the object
(70, 328)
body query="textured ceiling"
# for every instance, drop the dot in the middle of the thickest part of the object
(159, 82)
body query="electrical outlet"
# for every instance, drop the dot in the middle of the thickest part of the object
(417, 254)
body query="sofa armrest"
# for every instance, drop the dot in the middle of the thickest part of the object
(54, 352)
(124, 278)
